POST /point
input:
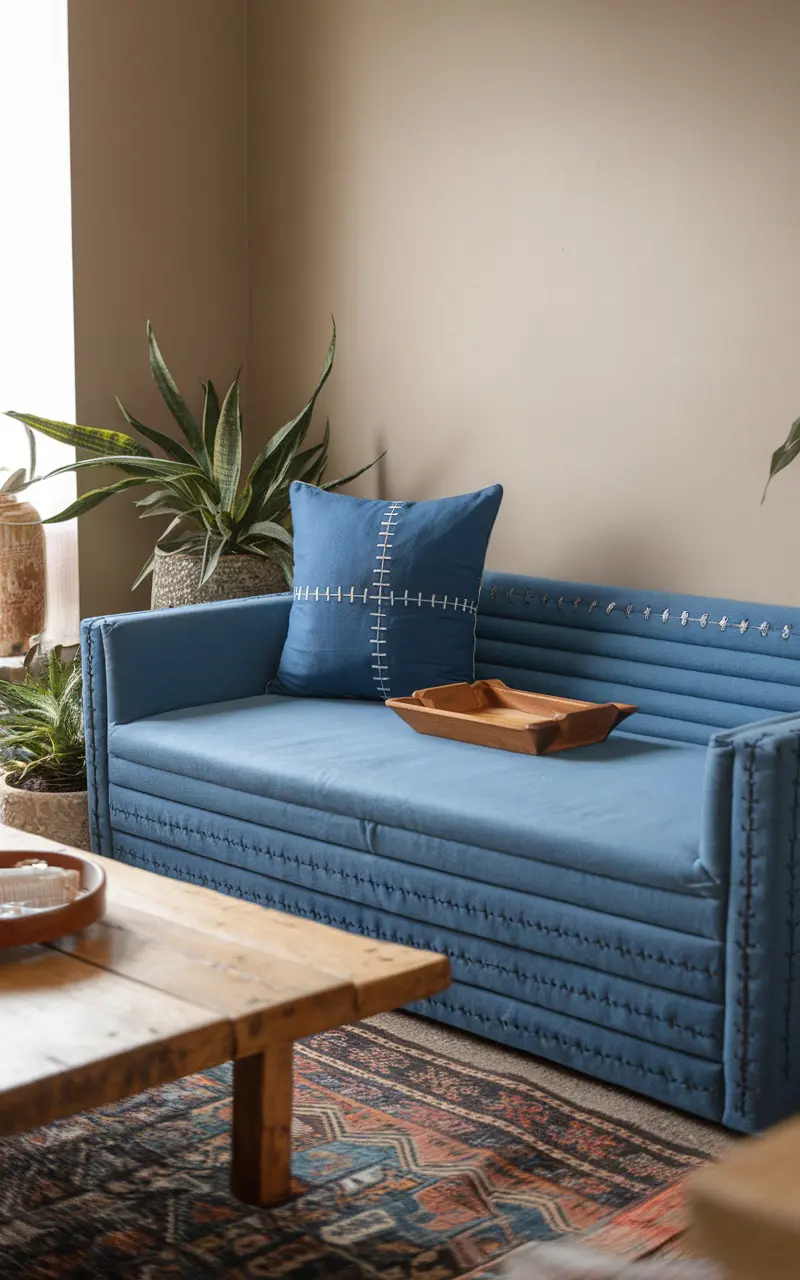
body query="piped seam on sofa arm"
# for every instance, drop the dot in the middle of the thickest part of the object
(762, 955)
(96, 736)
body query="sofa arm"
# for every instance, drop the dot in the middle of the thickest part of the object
(759, 767)
(140, 664)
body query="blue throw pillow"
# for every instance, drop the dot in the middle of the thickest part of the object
(385, 593)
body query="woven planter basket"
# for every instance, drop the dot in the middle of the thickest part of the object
(176, 579)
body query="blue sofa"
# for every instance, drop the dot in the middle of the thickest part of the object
(629, 910)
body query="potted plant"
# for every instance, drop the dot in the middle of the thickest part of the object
(227, 536)
(42, 752)
(22, 561)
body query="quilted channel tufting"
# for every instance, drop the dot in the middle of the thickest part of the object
(693, 665)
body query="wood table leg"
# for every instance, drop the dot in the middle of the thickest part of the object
(262, 1126)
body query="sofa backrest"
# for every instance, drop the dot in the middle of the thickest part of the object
(692, 664)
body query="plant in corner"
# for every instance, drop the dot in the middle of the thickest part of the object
(220, 524)
(42, 750)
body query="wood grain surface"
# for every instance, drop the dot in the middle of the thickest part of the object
(177, 978)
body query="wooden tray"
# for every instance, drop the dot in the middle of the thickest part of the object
(489, 714)
(56, 922)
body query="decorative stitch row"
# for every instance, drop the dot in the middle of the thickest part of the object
(467, 908)
(92, 729)
(520, 974)
(745, 918)
(575, 1046)
(794, 848)
(666, 615)
(327, 918)
(364, 595)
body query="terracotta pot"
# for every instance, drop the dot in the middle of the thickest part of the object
(59, 815)
(22, 575)
(176, 579)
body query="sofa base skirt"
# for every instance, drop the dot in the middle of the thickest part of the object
(491, 983)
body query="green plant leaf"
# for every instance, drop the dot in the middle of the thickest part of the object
(155, 498)
(31, 452)
(173, 448)
(242, 504)
(289, 438)
(276, 555)
(41, 726)
(309, 459)
(307, 465)
(274, 505)
(173, 524)
(228, 449)
(106, 443)
(210, 415)
(154, 468)
(269, 530)
(184, 542)
(175, 401)
(145, 571)
(286, 564)
(784, 454)
(92, 499)
(212, 561)
(211, 554)
(163, 509)
(14, 482)
(336, 484)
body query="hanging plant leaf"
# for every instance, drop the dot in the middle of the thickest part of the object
(784, 454)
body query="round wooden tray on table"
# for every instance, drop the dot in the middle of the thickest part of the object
(56, 922)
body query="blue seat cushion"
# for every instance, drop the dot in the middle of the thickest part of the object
(615, 826)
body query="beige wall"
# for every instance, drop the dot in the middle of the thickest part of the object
(157, 91)
(562, 242)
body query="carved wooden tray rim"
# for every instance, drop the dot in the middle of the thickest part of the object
(549, 724)
(56, 922)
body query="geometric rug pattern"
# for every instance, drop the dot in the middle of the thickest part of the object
(407, 1165)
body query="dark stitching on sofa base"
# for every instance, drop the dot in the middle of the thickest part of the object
(386, 935)
(575, 1045)
(625, 952)
(92, 728)
(791, 953)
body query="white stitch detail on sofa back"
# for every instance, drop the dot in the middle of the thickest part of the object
(380, 584)
(684, 617)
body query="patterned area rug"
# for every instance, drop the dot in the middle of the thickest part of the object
(407, 1164)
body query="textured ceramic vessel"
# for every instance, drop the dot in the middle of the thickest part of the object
(22, 575)
(176, 579)
(59, 815)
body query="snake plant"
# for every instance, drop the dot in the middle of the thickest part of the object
(41, 727)
(197, 480)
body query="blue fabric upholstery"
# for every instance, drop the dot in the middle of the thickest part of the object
(629, 909)
(385, 593)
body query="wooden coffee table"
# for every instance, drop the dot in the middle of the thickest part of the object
(175, 979)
